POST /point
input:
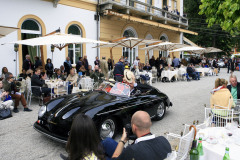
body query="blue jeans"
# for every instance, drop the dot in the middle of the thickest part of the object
(109, 146)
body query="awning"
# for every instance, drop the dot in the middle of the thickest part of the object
(4, 30)
(189, 42)
(149, 22)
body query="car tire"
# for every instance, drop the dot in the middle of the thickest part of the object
(161, 110)
(108, 128)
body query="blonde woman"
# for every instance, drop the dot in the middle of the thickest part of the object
(221, 97)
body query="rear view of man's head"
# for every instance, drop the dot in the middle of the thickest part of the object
(141, 123)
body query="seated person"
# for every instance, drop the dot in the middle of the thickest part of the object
(97, 75)
(4, 103)
(234, 87)
(191, 72)
(147, 67)
(72, 79)
(38, 81)
(58, 75)
(89, 71)
(135, 88)
(9, 86)
(23, 74)
(221, 96)
(146, 146)
(82, 70)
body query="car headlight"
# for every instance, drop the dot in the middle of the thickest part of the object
(41, 111)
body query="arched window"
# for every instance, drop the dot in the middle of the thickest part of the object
(163, 38)
(130, 32)
(30, 29)
(74, 50)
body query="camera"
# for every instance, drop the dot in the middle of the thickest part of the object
(130, 134)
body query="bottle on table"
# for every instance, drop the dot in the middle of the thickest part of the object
(226, 156)
(200, 147)
(194, 154)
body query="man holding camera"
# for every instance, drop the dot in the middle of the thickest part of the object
(146, 146)
(97, 75)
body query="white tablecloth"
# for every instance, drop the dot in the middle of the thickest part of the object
(169, 74)
(60, 87)
(217, 151)
(181, 71)
(202, 70)
(86, 83)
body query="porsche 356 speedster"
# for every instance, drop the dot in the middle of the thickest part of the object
(110, 107)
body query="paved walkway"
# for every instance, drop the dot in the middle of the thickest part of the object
(19, 141)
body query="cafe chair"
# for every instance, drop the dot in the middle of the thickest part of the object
(185, 141)
(219, 117)
(30, 94)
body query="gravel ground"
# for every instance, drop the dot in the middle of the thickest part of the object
(19, 141)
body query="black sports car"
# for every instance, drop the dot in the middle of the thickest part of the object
(110, 108)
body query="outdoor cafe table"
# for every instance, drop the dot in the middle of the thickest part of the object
(217, 151)
(60, 87)
(169, 74)
(202, 70)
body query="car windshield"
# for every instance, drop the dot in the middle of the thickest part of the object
(120, 89)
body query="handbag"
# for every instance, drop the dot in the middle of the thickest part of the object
(5, 113)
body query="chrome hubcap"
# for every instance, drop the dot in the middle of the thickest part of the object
(107, 129)
(160, 110)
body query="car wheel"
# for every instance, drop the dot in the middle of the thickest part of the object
(161, 109)
(108, 128)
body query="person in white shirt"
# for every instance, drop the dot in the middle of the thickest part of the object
(136, 62)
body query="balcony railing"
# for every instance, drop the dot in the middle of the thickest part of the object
(144, 9)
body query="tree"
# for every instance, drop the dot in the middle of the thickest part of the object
(208, 36)
(226, 13)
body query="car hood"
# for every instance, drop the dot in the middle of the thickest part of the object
(78, 103)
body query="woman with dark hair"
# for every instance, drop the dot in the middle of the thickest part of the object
(49, 68)
(84, 142)
(4, 71)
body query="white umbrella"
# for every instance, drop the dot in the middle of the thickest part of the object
(208, 50)
(164, 46)
(4, 30)
(188, 49)
(58, 39)
(129, 42)
(213, 49)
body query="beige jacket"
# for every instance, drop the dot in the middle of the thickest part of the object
(72, 79)
(104, 67)
(222, 98)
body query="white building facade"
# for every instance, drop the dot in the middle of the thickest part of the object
(37, 18)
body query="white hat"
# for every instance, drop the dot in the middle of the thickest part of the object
(129, 76)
